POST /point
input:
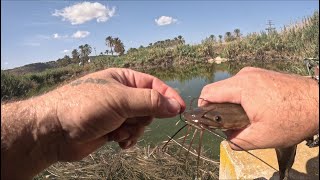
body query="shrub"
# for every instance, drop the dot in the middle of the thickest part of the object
(13, 86)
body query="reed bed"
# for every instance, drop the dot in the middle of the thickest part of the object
(136, 163)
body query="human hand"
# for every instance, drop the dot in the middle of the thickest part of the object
(110, 105)
(283, 108)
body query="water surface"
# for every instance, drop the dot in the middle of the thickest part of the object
(188, 83)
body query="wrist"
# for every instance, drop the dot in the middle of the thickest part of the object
(28, 138)
(48, 131)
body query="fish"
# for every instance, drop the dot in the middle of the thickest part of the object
(230, 116)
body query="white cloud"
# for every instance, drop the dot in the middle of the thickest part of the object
(80, 34)
(66, 51)
(85, 11)
(57, 36)
(165, 20)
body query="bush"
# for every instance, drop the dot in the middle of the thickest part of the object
(13, 86)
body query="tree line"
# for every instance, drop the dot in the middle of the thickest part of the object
(81, 55)
(228, 37)
(115, 45)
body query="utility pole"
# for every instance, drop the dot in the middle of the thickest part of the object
(270, 27)
(95, 53)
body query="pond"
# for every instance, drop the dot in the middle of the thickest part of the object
(188, 83)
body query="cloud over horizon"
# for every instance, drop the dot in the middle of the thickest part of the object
(85, 11)
(65, 51)
(80, 34)
(165, 20)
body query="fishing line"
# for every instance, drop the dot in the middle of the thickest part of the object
(229, 140)
(173, 136)
(241, 148)
(175, 132)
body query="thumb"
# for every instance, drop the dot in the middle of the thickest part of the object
(149, 102)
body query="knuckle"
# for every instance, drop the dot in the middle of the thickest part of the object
(247, 69)
(205, 89)
(155, 100)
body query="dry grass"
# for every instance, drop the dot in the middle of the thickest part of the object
(135, 163)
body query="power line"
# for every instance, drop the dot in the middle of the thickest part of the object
(270, 27)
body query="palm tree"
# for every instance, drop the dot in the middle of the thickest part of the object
(181, 40)
(237, 33)
(212, 38)
(81, 47)
(228, 37)
(110, 43)
(220, 38)
(75, 55)
(118, 46)
(85, 50)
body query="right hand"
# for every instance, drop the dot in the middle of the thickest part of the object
(283, 108)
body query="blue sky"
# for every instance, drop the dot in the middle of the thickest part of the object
(34, 31)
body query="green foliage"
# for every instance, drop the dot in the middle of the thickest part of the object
(75, 56)
(187, 51)
(296, 41)
(14, 86)
(179, 40)
(66, 60)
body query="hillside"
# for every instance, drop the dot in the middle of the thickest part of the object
(32, 68)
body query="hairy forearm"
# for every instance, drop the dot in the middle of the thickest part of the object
(314, 90)
(29, 130)
(312, 106)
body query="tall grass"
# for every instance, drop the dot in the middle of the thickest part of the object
(14, 86)
(20, 86)
(293, 42)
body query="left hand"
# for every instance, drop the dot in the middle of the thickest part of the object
(110, 105)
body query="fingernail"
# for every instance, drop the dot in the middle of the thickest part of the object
(173, 106)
